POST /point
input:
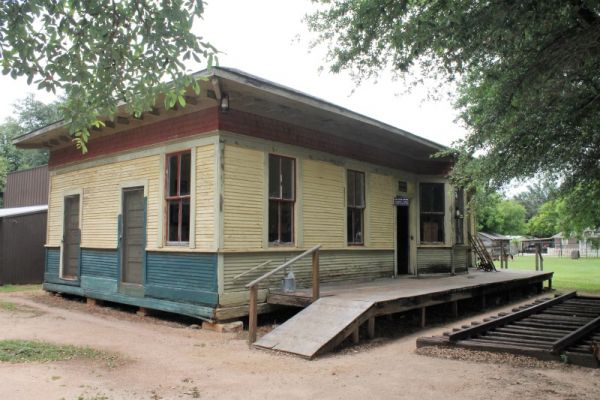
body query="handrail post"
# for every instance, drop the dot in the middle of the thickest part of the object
(252, 314)
(315, 276)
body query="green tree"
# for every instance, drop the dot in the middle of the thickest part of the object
(579, 208)
(3, 172)
(103, 53)
(547, 221)
(537, 193)
(527, 72)
(28, 114)
(499, 215)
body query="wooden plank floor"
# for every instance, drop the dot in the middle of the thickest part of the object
(342, 308)
(389, 289)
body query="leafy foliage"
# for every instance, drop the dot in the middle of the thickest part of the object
(547, 221)
(103, 53)
(28, 114)
(580, 208)
(569, 212)
(499, 215)
(537, 193)
(527, 72)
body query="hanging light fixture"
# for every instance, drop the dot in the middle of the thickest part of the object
(224, 104)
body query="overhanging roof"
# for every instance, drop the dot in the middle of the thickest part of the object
(255, 95)
(13, 212)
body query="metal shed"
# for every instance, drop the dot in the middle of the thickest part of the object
(22, 238)
(28, 187)
(494, 243)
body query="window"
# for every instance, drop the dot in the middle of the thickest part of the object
(459, 215)
(282, 195)
(432, 212)
(178, 197)
(356, 206)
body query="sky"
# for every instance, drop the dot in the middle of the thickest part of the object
(268, 38)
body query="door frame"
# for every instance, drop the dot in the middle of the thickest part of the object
(124, 287)
(396, 240)
(65, 194)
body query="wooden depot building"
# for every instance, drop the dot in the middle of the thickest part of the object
(179, 209)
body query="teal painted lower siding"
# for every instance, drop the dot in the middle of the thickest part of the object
(175, 282)
(100, 263)
(52, 269)
(189, 277)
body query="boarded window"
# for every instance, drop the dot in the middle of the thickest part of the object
(356, 206)
(282, 196)
(459, 215)
(432, 212)
(178, 197)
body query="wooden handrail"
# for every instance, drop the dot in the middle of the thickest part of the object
(253, 286)
(252, 269)
(285, 264)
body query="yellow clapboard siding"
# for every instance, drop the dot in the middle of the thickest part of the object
(205, 197)
(335, 266)
(380, 200)
(244, 198)
(323, 204)
(101, 206)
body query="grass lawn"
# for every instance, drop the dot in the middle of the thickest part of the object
(19, 288)
(20, 351)
(582, 274)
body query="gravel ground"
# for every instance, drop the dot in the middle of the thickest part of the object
(168, 360)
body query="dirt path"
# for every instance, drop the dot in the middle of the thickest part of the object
(170, 361)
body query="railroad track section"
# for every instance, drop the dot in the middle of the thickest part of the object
(565, 328)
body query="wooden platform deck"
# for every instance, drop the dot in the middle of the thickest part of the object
(342, 309)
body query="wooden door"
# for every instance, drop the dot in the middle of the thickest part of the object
(71, 238)
(133, 239)
(402, 240)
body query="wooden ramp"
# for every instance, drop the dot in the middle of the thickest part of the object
(318, 328)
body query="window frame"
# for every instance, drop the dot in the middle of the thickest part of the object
(441, 213)
(178, 197)
(351, 209)
(281, 200)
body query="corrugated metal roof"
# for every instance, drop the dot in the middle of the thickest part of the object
(11, 212)
(493, 236)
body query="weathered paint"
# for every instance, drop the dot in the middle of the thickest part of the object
(434, 260)
(205, 192)
(177, 127)
(386, 152)
(244, 198)
(381, 190)
(52, 268)
(99, 263)
(335, 266)
(175, 277)
(440, 259)
(192, 310)
(324, 209)
(101, 188)
(189, 277)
